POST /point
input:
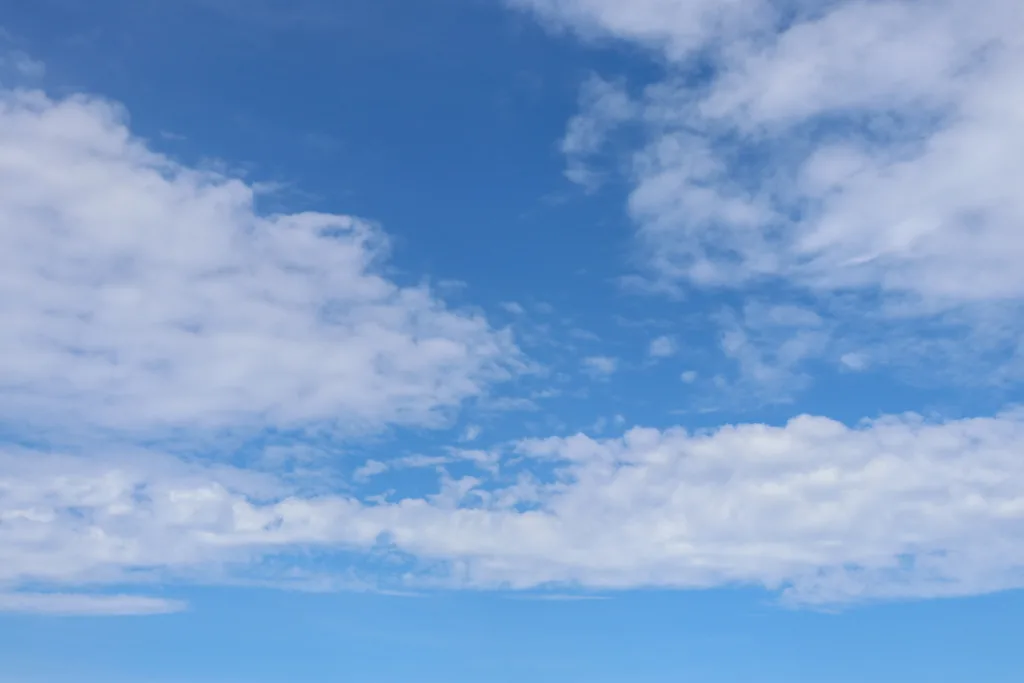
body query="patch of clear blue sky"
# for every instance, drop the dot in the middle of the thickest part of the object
(440, 119)
(651, 637)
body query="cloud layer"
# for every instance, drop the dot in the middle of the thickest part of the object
(894, 508)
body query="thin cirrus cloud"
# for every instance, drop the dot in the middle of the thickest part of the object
(160, 289)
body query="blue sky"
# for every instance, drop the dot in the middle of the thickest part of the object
(662, 340)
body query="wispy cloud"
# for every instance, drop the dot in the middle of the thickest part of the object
(600, 366)
(77, 604)
(662, 347)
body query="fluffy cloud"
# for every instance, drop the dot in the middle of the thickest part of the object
(869, 145)
(138, 295)
(893, 508)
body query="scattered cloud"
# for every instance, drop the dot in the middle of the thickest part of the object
(471, 433)
(370, 469)
(606, 107)
(513, 308)
(21, 66)
(860, 157)
(662, 347)
(855, 362)
(70, 604)
(600, 366)
(862, 154)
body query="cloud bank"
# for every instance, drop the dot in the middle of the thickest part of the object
(894, 508)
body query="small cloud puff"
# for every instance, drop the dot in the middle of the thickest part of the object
(662, 347)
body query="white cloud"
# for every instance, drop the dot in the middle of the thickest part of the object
(675, 26)
(513, 308)
(65, 604)
(662, 347)
(894, 508)
(853, 361)
(689, 377)
(471, 433)
(139, 294)
(370, 469)
(600, 366)
(605, 106)
(884, 135)
(769, 345)
(20, 66)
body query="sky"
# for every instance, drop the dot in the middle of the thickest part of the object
(384, 340)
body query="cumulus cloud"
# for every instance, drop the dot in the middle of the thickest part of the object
(824, 513)
(870, 145)
(139, 294)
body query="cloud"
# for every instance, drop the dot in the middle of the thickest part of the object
(855, 362)
(898, 507)
(856, 158)
(859, 145)
(600, 366)
(471, 433)
(64, 604)
(769, 343)
(606, 106)
(513, 308)
(18, 65)
(662, 347)
(141, 295)
(675, 26)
